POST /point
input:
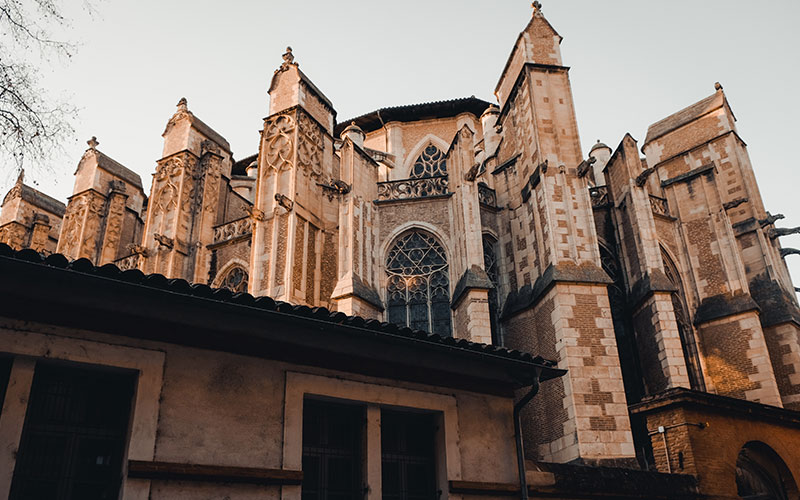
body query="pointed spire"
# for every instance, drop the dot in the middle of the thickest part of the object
(20, 177)
(93, 143)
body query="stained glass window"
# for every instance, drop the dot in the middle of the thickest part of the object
(419, 284)
(429, 163)
(235, 280)
(490, 265)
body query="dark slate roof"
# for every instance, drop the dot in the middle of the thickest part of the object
(685, 116)
(413, 112)
(114, 167)
(240, 166)
(513, 361)
(41, 200)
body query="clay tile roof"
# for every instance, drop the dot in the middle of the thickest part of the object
(685, 116)
(413, 112)
(356, 323)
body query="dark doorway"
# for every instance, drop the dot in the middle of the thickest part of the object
(332, 451)
(73, 439)
(408, 456)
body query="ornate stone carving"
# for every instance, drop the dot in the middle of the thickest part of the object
(599, 196)
(256, 214)
(129, 262)
(585, 165)
(138, 249)
(770, 219)
(288, 60)
(336, 187)
(309, 145)
(413, 188)
(171, 167)
(733, 204)
(284, 201)
(642, 178)
(472, 173)
(777, 232)
(278, 142)
(659, 205)
(486, 195)
(164, 241)
(233, 229)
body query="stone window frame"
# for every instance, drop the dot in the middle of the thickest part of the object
(227, 268)
(389, 244)
(28, 345)
(414, 152)
(373, 396)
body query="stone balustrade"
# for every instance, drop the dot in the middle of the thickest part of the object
(233, 229)
(413, 188)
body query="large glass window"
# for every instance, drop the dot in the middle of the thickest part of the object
(332, 444)
(74, 435)
(419, 284)
(429, 163)
(408, 466)
(490, 265)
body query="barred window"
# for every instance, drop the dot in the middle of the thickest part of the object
(430, 162)
(419, 284)
(235, 280)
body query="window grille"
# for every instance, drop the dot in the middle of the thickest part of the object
(429, 163)
(419, 284)
(332, 444)
(408, 466)
(74, 435)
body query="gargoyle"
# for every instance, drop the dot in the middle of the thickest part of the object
(777, 232)
(789, 251)
(642, 178)
(733, 204)
(472, 173)
(585, 165)
(164, 241)
(284, 201)
(138, 249)
(771, 219)
(255, 213)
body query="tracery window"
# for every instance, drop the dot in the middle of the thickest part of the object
(490, 265)
(419, 284)
(235, 280)
(429, 163)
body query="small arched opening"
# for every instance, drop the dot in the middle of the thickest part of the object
(761, 474)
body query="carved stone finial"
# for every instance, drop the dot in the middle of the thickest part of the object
(717, 86)
(183, 105)
(93, 142)
(537, 6)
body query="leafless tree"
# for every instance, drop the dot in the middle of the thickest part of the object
(33, 124)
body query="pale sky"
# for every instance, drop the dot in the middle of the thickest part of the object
(633, 62)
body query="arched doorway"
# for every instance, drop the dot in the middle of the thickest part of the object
(761, 474)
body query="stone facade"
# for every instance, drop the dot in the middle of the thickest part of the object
(487, 222)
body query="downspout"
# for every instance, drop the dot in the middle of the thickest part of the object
(523, 481)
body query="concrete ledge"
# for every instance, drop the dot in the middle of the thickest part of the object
(653, 282)
(212, 473)
(528, 296)
(720, 306)
(475, 277)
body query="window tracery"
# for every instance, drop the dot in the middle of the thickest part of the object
(235, 280)
(431, 162)
(490, 265)
(418, 291)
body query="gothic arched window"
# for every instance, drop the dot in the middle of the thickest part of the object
(691, 354)
(235, 280)
(429, 163)
(418, 292)
(490, 265)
